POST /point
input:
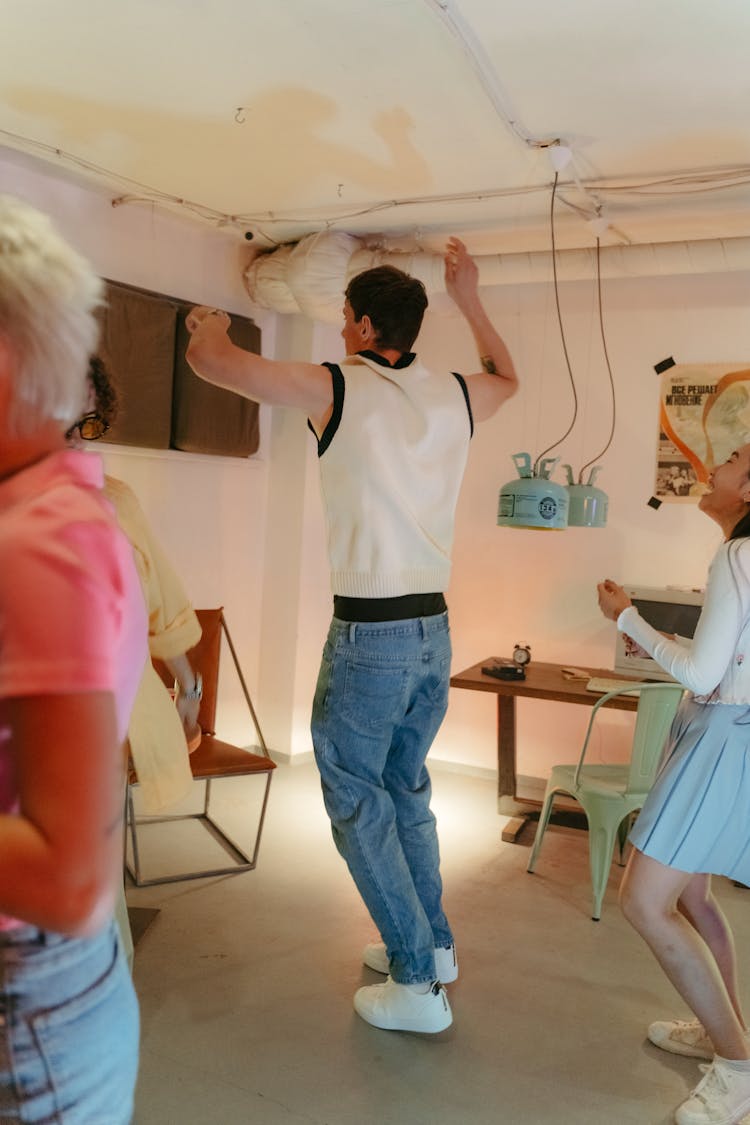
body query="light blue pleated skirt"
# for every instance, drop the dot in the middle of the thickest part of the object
(697, 816)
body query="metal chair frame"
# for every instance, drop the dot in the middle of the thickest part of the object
(256, 764)
(610, 794)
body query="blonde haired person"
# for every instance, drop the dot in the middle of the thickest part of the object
(72, 651)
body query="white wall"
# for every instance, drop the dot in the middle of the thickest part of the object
(508, 586)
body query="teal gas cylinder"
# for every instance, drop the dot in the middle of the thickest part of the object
(588, 505)
(533, 500)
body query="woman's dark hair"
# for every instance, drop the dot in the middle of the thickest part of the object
(94, 423)
(741, 529)
(105, 396)
(394, 302)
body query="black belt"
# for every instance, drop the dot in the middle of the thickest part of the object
(388, 609)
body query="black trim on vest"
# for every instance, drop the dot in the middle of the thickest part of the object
(465, 389)
(339, 389)
(388, 609)
(403, 360)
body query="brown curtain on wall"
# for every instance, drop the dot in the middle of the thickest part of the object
(163, 405)
(208, 419)
(137, 347)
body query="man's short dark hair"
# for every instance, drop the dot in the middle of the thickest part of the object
(394, 302)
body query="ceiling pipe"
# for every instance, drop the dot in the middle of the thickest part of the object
(310, 277)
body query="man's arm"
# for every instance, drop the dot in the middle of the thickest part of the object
(214, 357)
(489, 389)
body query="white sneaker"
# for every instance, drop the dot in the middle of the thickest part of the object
(682, 1037)
(722, 1097)
(446, 961)
(402, 1007)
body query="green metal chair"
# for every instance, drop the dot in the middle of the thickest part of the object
(609, 795)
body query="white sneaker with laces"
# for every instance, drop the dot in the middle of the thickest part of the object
(404, 1007)
(722, 1097)
(682, 1037)
(446, 961)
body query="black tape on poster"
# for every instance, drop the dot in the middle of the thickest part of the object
(664, 365)
(654, 502)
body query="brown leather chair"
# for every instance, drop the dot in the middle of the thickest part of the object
(213, 760)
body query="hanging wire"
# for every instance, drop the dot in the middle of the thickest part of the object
(688, 181)
(606, 358)
(585, 407)
(483, 68)
(562, 332)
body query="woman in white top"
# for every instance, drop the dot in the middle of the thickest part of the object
(696, 819)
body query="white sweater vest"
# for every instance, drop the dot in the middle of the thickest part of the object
(391, 461)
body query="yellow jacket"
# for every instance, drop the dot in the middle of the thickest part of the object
(157, 739)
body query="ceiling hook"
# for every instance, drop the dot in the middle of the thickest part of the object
(240, 115)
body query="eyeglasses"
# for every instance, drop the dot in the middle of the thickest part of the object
(90, 426)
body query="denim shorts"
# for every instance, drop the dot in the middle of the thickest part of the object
(68, 1029)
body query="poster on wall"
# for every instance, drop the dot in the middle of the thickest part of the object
(704, 414)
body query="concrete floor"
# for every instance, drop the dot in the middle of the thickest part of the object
(246, 983)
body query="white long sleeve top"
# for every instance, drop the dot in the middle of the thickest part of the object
(715, 666)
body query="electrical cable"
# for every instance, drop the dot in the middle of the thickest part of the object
(606, 358)
(688, 182)
(562, 332)
(485, 71)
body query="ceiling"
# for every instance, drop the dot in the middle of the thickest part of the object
(396, 120)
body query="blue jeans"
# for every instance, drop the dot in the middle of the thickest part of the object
(68, 1029)
(381, 696)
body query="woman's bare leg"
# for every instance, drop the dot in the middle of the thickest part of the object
(649, 896)
(698, 904)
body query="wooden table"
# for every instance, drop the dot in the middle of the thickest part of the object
(543, 681)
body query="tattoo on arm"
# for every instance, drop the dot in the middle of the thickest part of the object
(488, 364)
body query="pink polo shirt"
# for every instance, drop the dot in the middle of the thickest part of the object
(72, 617)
